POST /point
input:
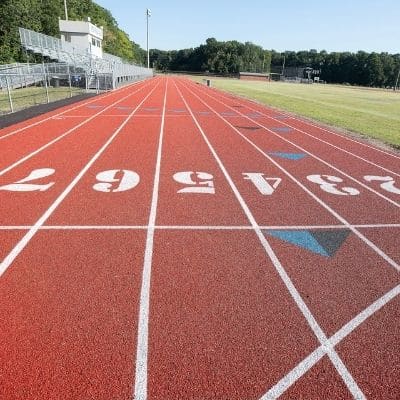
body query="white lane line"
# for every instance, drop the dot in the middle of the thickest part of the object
(195, 227)
(35, 228)
(27, 157)
(343, 221)
(313, 324)
(140, 389)
(304, 366)
(347, 138)
(97, 98)
(309, 153)
(315, 137)
(289, 116)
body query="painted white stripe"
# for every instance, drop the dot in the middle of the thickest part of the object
(304, 366)
(313, 324)
(315, 137)
(97, 98)
(348, 138)
(343, 221)
(290, 116)
(194, 227)
(34, 229)
(281, 137)
(296, 373)
(27, 157)
(140, 390)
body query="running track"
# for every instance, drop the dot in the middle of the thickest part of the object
(170, 241)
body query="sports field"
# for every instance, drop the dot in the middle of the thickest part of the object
(374, 113)
(167, 241)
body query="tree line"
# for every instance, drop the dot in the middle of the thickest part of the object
(42, 16)
(220, 57)
(231, 57)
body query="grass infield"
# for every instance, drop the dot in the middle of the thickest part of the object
(32, 96)
(373, 113)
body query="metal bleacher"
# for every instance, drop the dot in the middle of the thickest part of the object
(115, 67)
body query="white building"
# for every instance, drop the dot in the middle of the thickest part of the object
(83, 35)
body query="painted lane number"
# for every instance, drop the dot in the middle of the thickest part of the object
(196, 182)
(122, 180)
(116, 180)
(387, 183)
(266, 186)
(26, 185)
(329, 184)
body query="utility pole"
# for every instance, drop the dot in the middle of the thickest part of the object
(148, 14)
(66, 10)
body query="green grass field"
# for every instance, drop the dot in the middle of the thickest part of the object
(369, 112)
(31, 96)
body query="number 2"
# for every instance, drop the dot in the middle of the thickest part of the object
(387, 183)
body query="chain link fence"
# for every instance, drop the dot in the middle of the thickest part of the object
(26, 86)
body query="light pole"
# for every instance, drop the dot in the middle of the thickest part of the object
(66, 10)
(148, 14)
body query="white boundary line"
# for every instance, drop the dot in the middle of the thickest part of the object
(222, 94)
(313, 324)
(97, 98)
(343, 221)
(309, 153)
(140, 389)
(35, 228)
(289, 116)
(45, 146)
(194, 227)
(304, 366)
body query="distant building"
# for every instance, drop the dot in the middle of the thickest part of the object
(83, 35)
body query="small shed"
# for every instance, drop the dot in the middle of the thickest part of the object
(254, 76)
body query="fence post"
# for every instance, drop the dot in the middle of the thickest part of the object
(69, 81)
(45, 83)
(9, 95)
(97, 84)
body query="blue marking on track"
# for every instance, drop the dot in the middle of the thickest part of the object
(254, 115)
(302, 239)
(282, 129)
(150, 109)
(322, 242)
(289, 156)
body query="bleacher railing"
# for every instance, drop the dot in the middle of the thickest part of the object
(62, 51)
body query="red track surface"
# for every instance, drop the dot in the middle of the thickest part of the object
(176, 242)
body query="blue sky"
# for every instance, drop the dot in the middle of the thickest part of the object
(341, 25)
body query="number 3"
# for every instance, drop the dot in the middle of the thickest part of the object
(329, 183)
